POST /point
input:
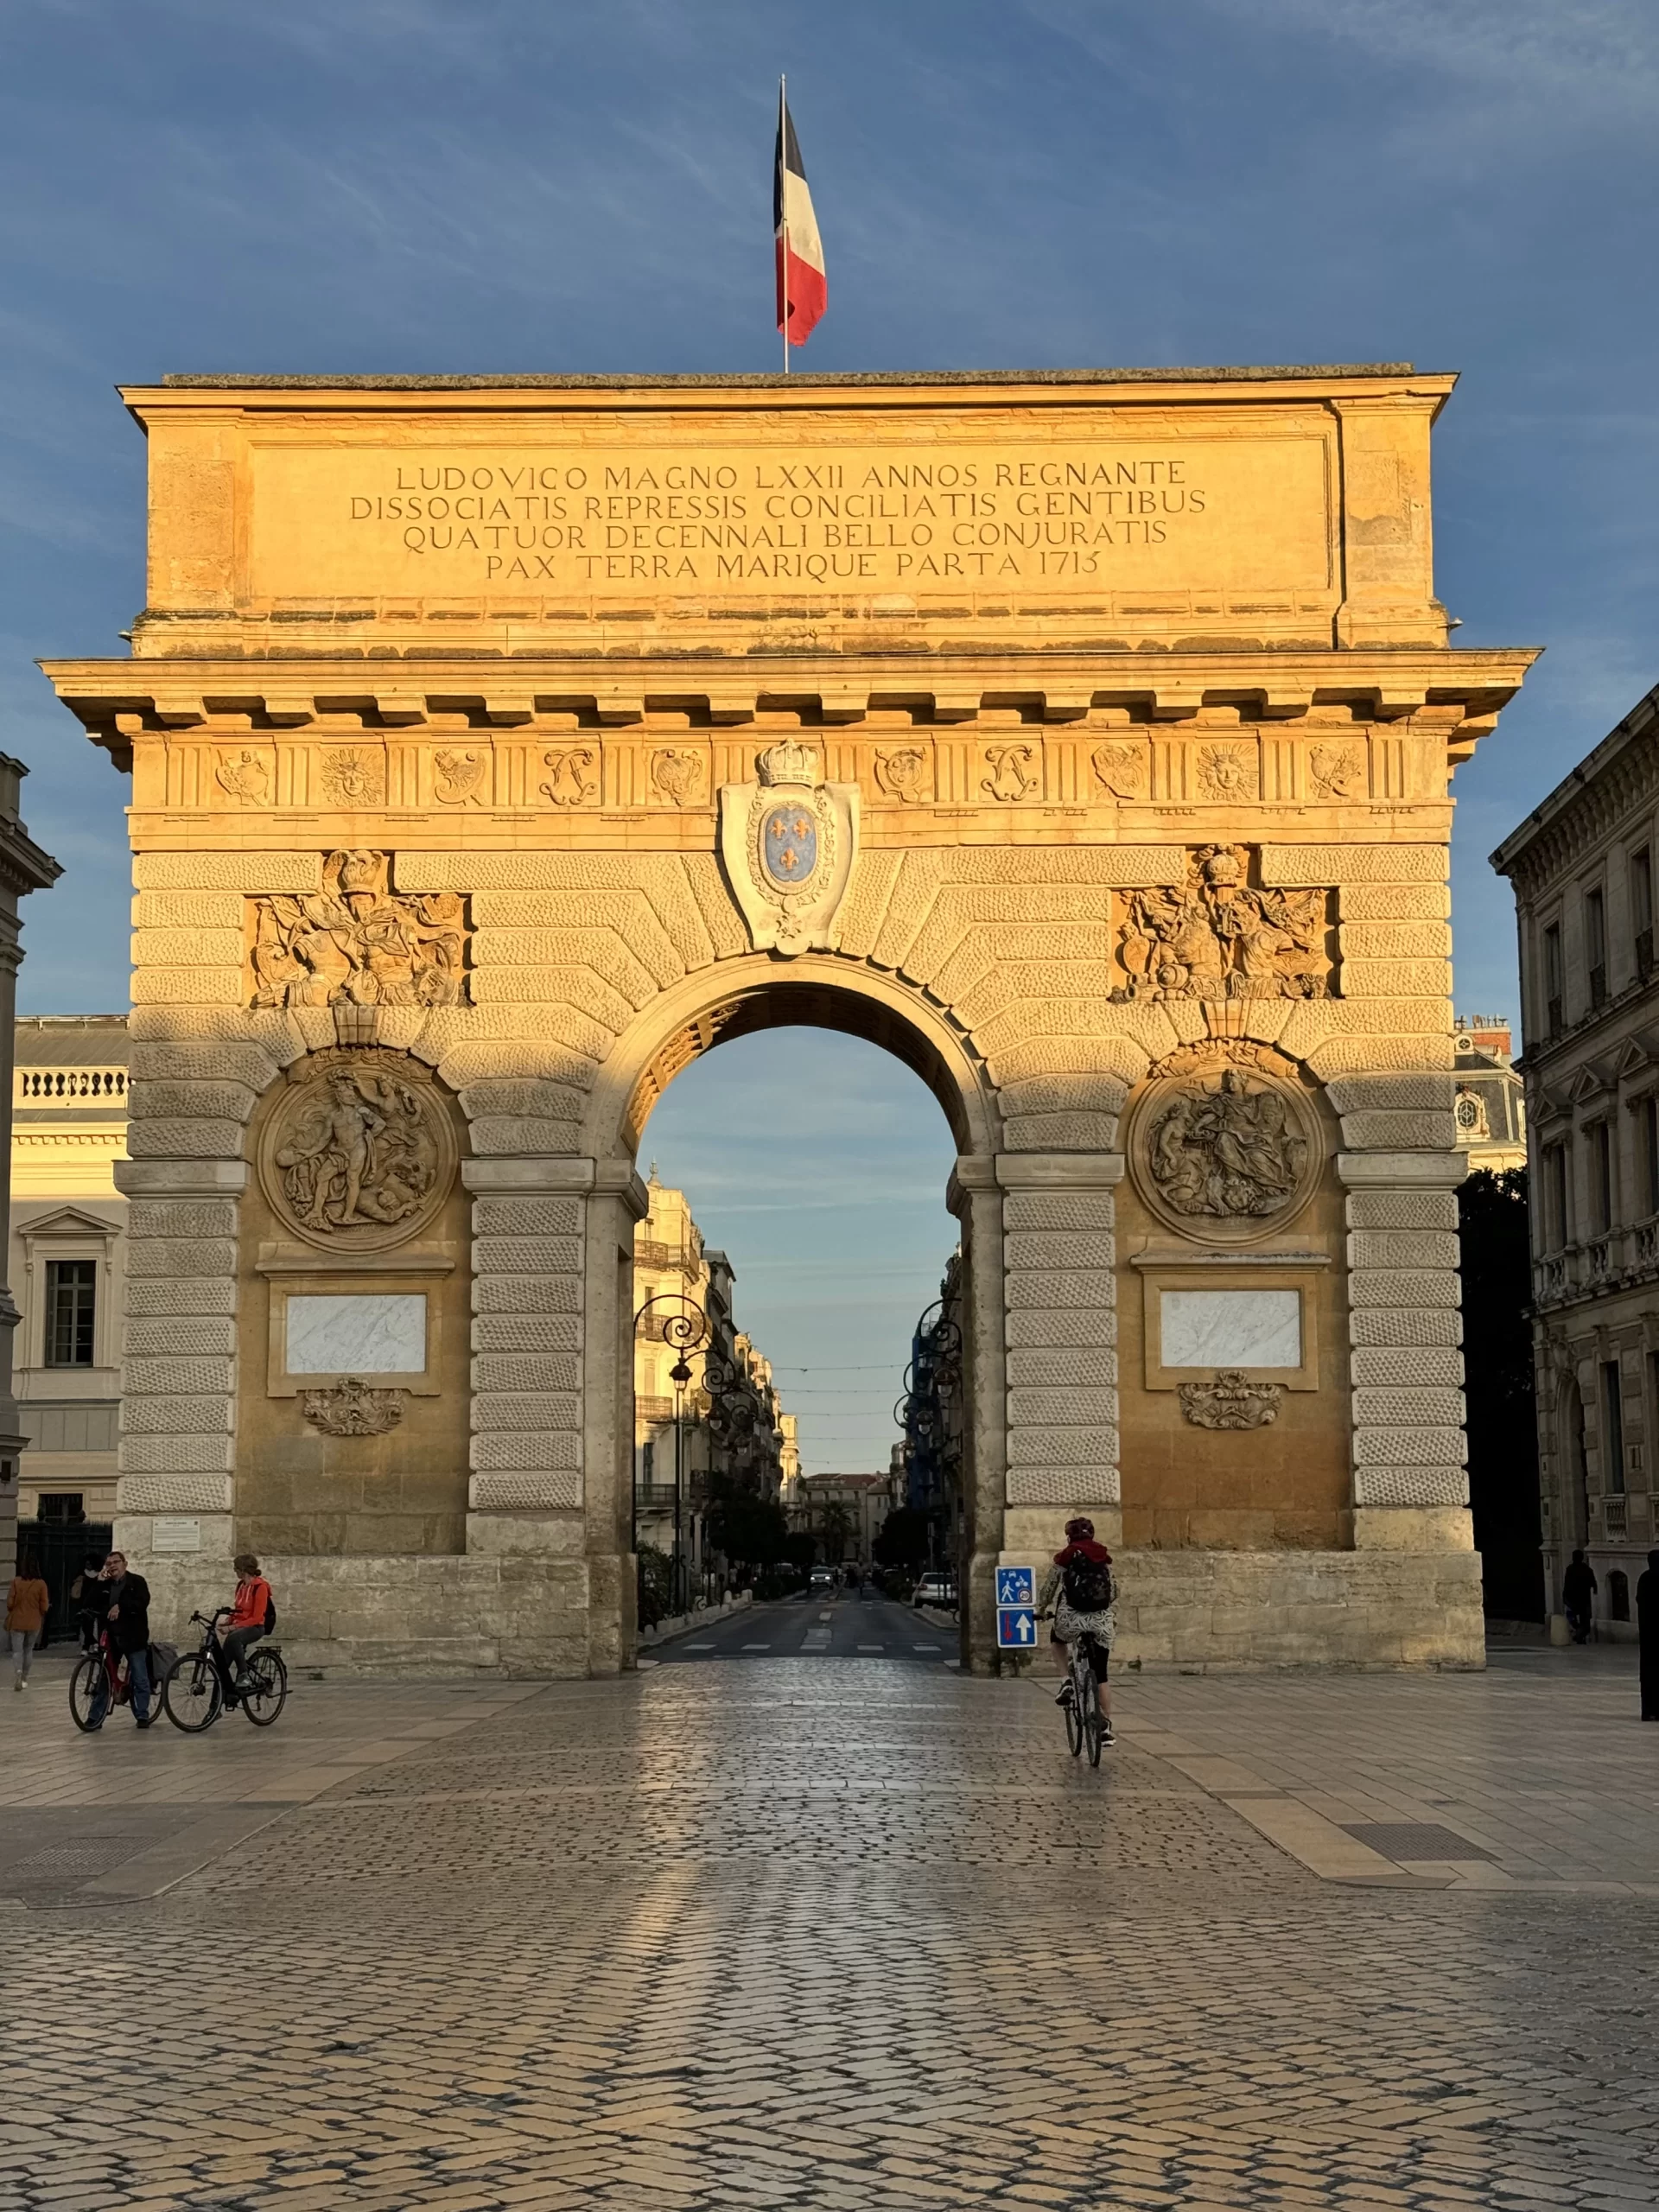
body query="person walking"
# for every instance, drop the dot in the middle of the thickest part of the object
(28, 1603)
(126, 1626)
(1578, 1587)
(1647, 1629)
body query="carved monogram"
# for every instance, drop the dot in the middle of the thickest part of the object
(1230, 1402)
(1218, 1148)
(1011, 776)
(355, 943)
(359, 1154)
(351, 1408)
(568, 782)
(1215, 936)
(900, 772)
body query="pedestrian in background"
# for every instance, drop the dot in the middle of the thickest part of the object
(87, 1596)
(1647, 1629)
(28, 1603)
(1579, 1596)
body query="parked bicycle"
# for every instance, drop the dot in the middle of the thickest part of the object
(194, 1696)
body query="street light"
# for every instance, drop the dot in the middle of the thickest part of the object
(685, 1329)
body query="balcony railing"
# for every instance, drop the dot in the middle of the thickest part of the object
(63, 1086)
(1629, 1252)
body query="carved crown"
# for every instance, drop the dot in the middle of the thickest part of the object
(788, 762)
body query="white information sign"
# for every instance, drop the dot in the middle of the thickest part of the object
(168, 1533)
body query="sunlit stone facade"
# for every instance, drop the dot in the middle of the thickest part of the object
(499, 746)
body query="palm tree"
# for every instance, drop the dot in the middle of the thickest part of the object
(835, 1527)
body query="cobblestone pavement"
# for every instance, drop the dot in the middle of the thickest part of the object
(771, 1932)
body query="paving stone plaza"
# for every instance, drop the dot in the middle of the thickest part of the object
(800, 1918)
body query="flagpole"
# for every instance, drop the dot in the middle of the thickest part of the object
(783, 201)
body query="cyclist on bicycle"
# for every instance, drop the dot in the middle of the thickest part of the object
(252, 1611)
(1080, 1588)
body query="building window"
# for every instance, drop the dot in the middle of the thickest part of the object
(1641, 908)
(1650, 1152)
(1601, 1159)
(1552, 1023)
(1556, 1227)
(1613, 1430)
(71, 1306)
(1595, 945)
(1618, 1595)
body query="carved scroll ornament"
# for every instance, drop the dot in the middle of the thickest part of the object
(1230, 1402)
(359, 1155)
(350, 1407)
(356, 943)
(1217, 936)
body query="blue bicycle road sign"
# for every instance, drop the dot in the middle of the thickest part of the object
(1016, 1585)
(1016, 1628)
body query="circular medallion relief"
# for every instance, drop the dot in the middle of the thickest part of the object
(1225, 1154)
(358, 1155)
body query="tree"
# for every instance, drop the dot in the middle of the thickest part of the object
(1495, 1264)
(902, 1538)
(750, 1529)
(835, 1527)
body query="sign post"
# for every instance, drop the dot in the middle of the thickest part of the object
(1016, 1608)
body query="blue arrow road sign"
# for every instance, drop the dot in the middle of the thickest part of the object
(1016, 1585)
(1016, 1628)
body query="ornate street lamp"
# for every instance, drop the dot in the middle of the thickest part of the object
(683, 1327)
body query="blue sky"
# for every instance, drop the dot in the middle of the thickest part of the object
(366, 185)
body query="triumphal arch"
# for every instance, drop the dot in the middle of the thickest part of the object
(499, 745)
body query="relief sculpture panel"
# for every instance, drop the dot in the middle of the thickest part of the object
(1225, 1153)
(359, 1155)
(357, 942)
(1216, 935)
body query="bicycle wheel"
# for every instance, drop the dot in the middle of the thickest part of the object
(1073, 1718)
(191, 1693)
(83, 1689)
(265, 1687)
(1092, 1726)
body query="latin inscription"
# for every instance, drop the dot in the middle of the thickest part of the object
(1218, 513)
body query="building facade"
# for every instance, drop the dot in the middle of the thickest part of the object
(1488, 1104)
(843, 1514)
(1083, 739)
(1582, 869)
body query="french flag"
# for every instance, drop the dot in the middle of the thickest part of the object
(803, 291)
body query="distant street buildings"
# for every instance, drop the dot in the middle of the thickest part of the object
(1489, 1107)
(1582, 866)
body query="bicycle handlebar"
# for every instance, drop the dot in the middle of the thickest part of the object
(223, 1614)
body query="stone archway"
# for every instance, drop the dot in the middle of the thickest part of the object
(1043, 728)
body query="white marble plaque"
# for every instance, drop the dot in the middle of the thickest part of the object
(373, 1333)
(1231, 1328)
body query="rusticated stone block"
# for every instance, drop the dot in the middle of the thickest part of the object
(184, 1139)
(1394, 902)
(1029, 1445)
(1062, 1367)
(527, 1332)
(521, 1448)
(496, 1137)
(495, 1409)
(1059, 1325)
(174, 1493)
(1058, 1209)
(527, 1255)
(154, 1101)
(178, 1218)
(526, 1294)
(1074, 1405)
(1403, 1210)
(1075, 1289)
(169, 1376)
(199, 1454)
(484, 1059)
(535, 1216)
(1394, 941)
(1432, 1050)
(1353, 863)
(1363, 979)
(1052, 1249)
(1443, 1446)
(1405, 1326)
(1401, 1287)
(189, 948)
(174, 988)
(250, 1064)
(1064, 1485)
(180, 1256)
(169, 1294)
(247, 871)
(1400, 1484)
(1073, 1094)
(1402, 1247)
(1407, 1406)
(526, 1493)
(1422, 1091)
(175, 1416)
(1383, 1131)
(189, 910)
(183, 1337)
(526, 1372)
(1059, 1133)
(1408, 1367)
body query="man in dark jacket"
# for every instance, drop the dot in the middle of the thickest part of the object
(1579, 1596)
(1647, 1628)
(126, 1626)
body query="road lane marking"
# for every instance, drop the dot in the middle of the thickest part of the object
(757, 1647)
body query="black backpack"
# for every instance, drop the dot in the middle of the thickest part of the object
(1088, 1585)
(271, 1615)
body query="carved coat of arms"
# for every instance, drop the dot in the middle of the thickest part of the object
(787, 841)
(352, 1408)
(357, 942)
(1217, 936)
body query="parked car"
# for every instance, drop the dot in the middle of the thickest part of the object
(935, 1590)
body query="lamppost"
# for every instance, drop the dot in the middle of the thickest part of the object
(685, 1329)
